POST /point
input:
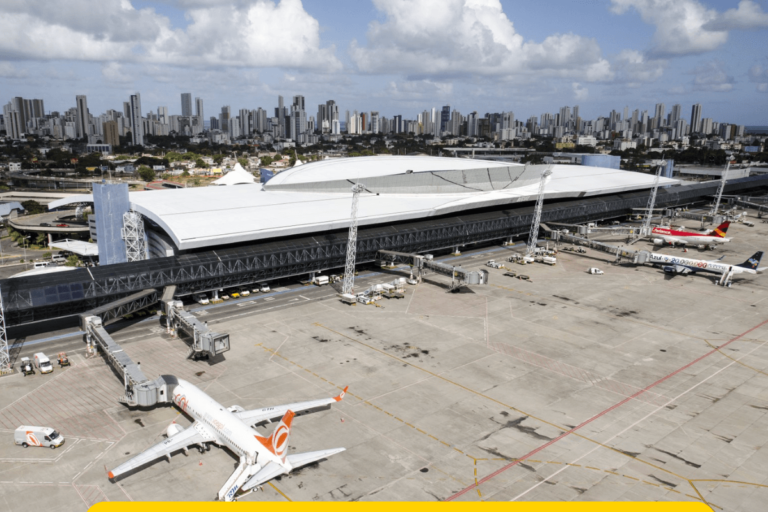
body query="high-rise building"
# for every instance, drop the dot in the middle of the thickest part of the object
(162, 114)
(214, 123)
(280, 114)
(12, 119)
(658, 117)
(696, 118)
(675, 113)
(186, 104)
(38, 109)
(375, 128)
(199, 109)
(333, 110)
(111, 135)
(224, 118)
(298, 102)
(82, 119)
(137, 123)
(445, 118)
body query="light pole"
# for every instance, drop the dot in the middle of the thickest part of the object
(25, 250)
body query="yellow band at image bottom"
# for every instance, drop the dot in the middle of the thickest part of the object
(405, 506)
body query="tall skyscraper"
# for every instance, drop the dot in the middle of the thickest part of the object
(675, 113)
(199, 109)
(162, 114)
(280, 117)
(696, 118)
(658, 118)
(375, 128)
(82, 118)
(186, 104)
(111, 136)
(224, 119)
(298, 102)
(137, 123)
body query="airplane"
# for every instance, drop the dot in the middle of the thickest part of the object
(661, 235)
(261, 459)
(677, 265)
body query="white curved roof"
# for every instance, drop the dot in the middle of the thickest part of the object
(213, 216)
(369, 166)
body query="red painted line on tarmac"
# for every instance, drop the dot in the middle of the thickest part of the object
(598, 415)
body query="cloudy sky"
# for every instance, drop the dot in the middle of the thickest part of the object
(394, 56)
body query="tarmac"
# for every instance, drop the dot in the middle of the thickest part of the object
(632, 385)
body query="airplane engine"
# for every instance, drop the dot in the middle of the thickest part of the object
(658, 241)
(235, 408)
(173, 429)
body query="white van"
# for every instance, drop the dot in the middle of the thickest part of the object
(43, 363)
(42, 264)
(37, 436)
(58, 258)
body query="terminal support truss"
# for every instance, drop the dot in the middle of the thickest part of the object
(646, 229)
(349, 268)
(133, 234)
(534, 234)
(5, 355)
(720, 189)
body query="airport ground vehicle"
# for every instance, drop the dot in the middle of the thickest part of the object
(201, 298)
(321, 280)
(63, 359)
(45, 437)
(264, 287)
(42, 363)
(244, 291)
(26, 367)
(595, 271)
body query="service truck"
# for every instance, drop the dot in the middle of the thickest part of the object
(37, 436)
(42, 363)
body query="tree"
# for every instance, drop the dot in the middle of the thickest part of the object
(218, 159)
(72, 261)
(185, 173)
(265, 160)
(146, 174)
(243, 161)
(33, 207)
(200, 164)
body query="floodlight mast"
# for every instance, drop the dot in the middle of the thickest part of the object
(534, 234)
(349, 269)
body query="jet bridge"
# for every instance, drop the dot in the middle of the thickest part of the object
(421, 264)
(139, 390)
(205, 343)
(637, 257)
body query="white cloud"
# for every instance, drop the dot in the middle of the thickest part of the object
(747, 16)
(113, 72)
(713, 78)
(465, 38)
(679, 25)
(634, 68)
(8, 70)
(759, 74)
(256, 33)
(580, 93)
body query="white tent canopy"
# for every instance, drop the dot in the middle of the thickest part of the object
(76, 246)
(238, 176)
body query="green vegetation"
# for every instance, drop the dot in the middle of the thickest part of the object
(33, 207)
(146, 173)
(72, 261)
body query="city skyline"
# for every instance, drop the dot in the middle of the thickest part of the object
(483, 55)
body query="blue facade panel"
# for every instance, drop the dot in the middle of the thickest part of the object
(669, 169)
(266, 175)
(110, 202)
(751, 149)
(607, 161)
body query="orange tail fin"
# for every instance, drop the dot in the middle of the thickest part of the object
(277, 443)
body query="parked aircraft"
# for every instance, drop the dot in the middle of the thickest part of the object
(261, 459)
(662, 235)
(678, 265)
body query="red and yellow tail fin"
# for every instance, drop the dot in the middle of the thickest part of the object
(721, 230)
(277, 443)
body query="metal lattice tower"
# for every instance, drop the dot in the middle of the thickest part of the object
(5, 355)
(534, 234)
(133, 234)
(349, 268)
(720, 190)
(646, 229)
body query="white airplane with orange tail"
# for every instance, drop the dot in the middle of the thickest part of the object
(261, 458)
(661, 235)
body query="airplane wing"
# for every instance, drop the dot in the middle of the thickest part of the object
(272, 470)
(255, 416)
(195, 434)
(677, 269)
